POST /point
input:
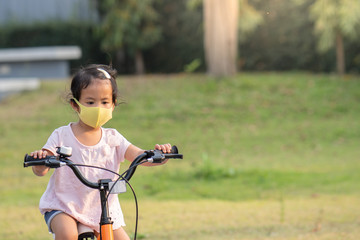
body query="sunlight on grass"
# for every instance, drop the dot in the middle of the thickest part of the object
(317, 217)
(266, 155)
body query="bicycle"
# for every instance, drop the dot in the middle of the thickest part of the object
(105, 186)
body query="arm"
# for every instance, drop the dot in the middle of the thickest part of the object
(41, 170)
(132, 152)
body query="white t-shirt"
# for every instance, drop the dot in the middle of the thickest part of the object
(66, 193)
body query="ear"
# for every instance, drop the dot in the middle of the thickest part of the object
(114, 104)
(74, 105)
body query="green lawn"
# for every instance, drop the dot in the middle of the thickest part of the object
(266, 155)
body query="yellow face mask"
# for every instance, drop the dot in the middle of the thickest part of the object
(94, 116)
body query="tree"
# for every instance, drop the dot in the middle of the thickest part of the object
(130, 25)
(223, 22)
(335, 21)
(220, 36)
(182, 37)
(283, 39)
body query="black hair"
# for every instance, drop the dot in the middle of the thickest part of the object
(84, 77)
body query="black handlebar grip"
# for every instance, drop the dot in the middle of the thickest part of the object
(174, 149)
(174, 153)
(28, 158)
(31, 161)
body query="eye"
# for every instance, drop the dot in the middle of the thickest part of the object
(90, 102)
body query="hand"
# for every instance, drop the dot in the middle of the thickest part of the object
(165, 148)
(39, 154)
(40, 170)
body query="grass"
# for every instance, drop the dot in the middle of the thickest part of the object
(266, 155)
(316, 218)
(319, 217)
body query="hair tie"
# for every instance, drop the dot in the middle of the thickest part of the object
(107, 75)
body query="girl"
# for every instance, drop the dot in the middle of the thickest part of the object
(66, 203)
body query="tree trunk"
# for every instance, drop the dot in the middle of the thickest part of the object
(220, 37)
(340, 54)
(139, 63)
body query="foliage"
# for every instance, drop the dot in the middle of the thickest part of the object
(54, 34)
(129, 24)
(182, 37)
(192, 66)
(249, 19)
(284, 41)
(335, 21)
(332, 16)
(193, 4)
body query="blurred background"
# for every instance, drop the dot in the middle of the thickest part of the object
(166, 36)
(261, 96)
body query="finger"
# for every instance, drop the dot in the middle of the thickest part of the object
(160, 147)
(41, 154)
(165, 148)
(168, 146)
(36, 154)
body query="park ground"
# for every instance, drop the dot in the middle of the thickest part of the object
(266, 155)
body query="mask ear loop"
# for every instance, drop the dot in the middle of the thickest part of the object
(107, 75)
(74, 100)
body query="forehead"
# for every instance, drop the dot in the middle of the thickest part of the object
(98, 88)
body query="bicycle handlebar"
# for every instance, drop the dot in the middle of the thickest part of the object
(152, 156)
(49, 161)
(56, 162)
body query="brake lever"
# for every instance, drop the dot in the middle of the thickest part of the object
(158, 156)
(155, 156)
(54, 163)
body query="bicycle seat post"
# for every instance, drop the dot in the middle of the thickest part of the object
(106, 228)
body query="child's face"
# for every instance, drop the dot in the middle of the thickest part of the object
(97, 94)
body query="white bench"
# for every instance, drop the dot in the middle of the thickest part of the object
(37, 62)
(14, 85)
(17, 84)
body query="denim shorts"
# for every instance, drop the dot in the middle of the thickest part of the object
(49, 216)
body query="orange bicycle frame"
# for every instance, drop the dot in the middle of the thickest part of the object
(106, 225)
(107, 232)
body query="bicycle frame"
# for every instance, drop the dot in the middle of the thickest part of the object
(105, 186)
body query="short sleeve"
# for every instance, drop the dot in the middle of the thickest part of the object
(52, 142)
(121, 149)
